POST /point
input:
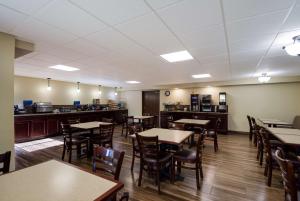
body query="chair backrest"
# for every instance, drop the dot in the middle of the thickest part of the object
(148, 146)
(106, 132)
(107, 120)
(66, 129)
(250, 124)
(108, 160)
(133, 129)
(200, 144)
(175, 126)
(5, 162)
(253, 122)
(296, 122)
(73, 121)
(288, 174)
(266, 140)
(146, 114)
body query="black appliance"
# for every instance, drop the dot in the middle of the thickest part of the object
(195, 102)
(206, 103)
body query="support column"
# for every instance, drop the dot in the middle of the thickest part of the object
(7, 55)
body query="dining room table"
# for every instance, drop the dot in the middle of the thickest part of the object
(274, 122)
(56, 181)
(288, 136)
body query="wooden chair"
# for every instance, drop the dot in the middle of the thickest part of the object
(135, 148)
(191, 157)
(107, 120)
(176, 126)
(288, 174)
(70, 141)
(269, 150)
(105, 136)
(212, 135)
(253, 127)
(5, 162)
(108, 161)
(250, 128)
(259, 143)
(152, 158)
(127, 122)
(150, 123)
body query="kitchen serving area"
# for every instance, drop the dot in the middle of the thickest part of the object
(149, 100)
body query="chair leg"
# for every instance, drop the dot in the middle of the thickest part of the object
(70, 154)
(141, 173)
(179, 167)
(132, 162)
(78, 149)
(197, 176)
(261, 157)
(201, 170)
(216, 145)
(158, 177)
(173, 170)
(266, 168)
(270, 169)
(122, 129)
(64, 152)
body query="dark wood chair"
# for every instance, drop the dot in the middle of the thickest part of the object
(107, 120)
(176, 126)
(289, 176)
(108, 161)
(72, 142)
(135, 147)
(259, 143)
(253, 127)
(269, 151)
(150, 123)
(127, 122)
(152, 158)
(191, 157)
(105, 136)
(4, 162)
(250, 128)
(212, 134)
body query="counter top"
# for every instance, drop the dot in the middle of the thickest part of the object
(64, 113)
(195, 112)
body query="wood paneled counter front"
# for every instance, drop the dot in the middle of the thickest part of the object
(212, 116)
(35, 126)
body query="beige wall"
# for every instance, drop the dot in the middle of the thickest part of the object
(62, 93)
(7, 54)
(280, 101)
(133, 101)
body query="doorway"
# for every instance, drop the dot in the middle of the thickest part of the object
(150, 103)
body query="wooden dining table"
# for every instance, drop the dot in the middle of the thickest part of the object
(167, 136)
(288, 136)
(56, 181)
(274, 122)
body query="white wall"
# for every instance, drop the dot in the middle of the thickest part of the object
(62, 93)
(7, 54)
(133, 101)
(280, 101)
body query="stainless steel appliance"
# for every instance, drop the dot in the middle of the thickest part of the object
(222, 102)
(206, 103)
(195, 102)
(43, 107)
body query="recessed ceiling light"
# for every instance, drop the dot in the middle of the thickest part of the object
(64, 68)
(294, 48)
(201, 76)
(133, 82)
(177, 56)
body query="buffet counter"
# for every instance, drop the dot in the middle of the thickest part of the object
(40, 125)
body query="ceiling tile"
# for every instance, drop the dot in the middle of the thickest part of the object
(29, 7)
(293, 21)
(209, 51)
(281, 66)
(189, 16)
(157, 4)
(114, 11)
(33, 30)
(160, 41)
(10, 19)
(255, 26)
(66, 16)
(237, 9)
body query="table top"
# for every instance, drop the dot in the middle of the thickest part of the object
(286, 135)
(142, 117)
(273, 121)
(167, 135)
(89, 125)
(54, 180)
(193, 121)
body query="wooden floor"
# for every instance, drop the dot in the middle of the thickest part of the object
(232, 174)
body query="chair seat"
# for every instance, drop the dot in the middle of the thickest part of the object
(185, 155)
(77, 140)
(163, 157)
(210, 133)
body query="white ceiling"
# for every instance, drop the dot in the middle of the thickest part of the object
(113, 41)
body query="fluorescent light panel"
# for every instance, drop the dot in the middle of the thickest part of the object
(177, 56)
(133, 82)
(201, 76)
(64, 68)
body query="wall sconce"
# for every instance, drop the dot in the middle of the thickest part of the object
(78, 87)
(99, 89)
(49, 88)
(116, 92)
